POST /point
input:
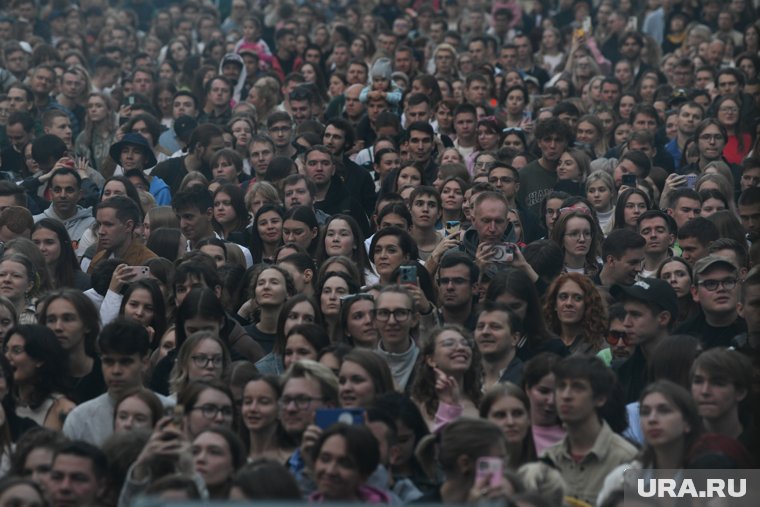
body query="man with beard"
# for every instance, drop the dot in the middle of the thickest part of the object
(457, 285)
(689, 115)
(65, 186)
(117, 218)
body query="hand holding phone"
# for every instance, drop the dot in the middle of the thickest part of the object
(491, 467)
(408, 274)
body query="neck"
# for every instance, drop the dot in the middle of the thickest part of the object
(455, 491)
(465, 142)
(287, 151)
(652, 261)
(570, 332)
(192, 163)
(670, 456)
(681, 139)
(604, 276)
(270, 249)
(574, 261)
(80, 364)
(648, 346)
(457, 314)
(728, 424)
(583, 435)
(397, 348)
(423, 235)
(209, 233)
(25, 392)
(121, 249)
(493, 366)
(65, 101)
(451, 215)
(547, 164)
(66, 216)
(263, 441)
(722, 319)
(322, 192)
(268, 319)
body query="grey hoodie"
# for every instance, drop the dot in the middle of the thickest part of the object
(75, 226)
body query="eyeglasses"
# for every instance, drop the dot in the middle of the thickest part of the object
(511, 129)
(302, 401)
(452, 343)
(712, 285)
(210, 411)
(400, 314)
(614, 337)
(350, 298)
(202, 360)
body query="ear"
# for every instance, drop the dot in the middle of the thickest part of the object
(394, 454)
(740, 395)
(610, 259)
(314, 232)
(430, 362)
(218, 291)
(740, 309)
(308, 275)
(694, 295)
(671, 239)
(599, 401)
(145, 366)
(210, 213)
(517, 186)
(670, 211)
(663, 318)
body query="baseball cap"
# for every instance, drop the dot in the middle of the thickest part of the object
(650, 290)
(710, 261)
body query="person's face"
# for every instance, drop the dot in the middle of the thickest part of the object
(409, 175)
(319, 168)
(477, 92)
(425, 211)
(624, 74)
(627, 268)
(575, 400)
(656, 234)
(241, 131)
(570, 304)
(750, 178)
(261, 154)
(43, 81)
(301, 313)
(685, 209)
(206, 360)
(711, 206)
(514, 142)
(339, 239)
(14, 280)
(662, 423)
(333, 289)
(452, 353)
(746, 66)
(63, 319)
(74, 481)
(133, 414)
(692, 250)
(297, 347)
(728, 84)
(552, 148)
(183, 105)
(451, 196)
(281, 133)
(224, 169)
(218, 408)
(392, 332)
(634, 207)
(301, 398)
(112, 232)
(641, 324)
(688, 118)
(721, 301)
(600, 195)
(23, 365)
(357, 74)
(17, 135)
(194, 224)
(48, 243)
(335, 139)
(715, 396)
(511, 415)
(269, 226)
(219, 94)
(356, 388)
(259, 408)
(493, 335)
(335, 470)
(676, 274)
(295, 231)
(610, 93)
(212, 458)
(728, 113)
(456, 289)
(271, 290)
(568, 169)
(301, 110)
(140, 307)
(360, 325)
(749, 215)
(577, 237)
(122, 372)
(17, 62)
(490, 220)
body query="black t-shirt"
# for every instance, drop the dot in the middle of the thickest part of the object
(90, 386)
(711, 336)
(172, 171)
(266, 340)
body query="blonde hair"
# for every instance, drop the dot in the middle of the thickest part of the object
(180, 374)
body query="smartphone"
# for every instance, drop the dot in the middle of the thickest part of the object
(503, 253)
(452, 227)
(131, 100)
(492, 467)
(691, 180)
(408, 274)
(138, 272)
(326, 417)
(527, 115)
(629, 180)
(633, 24)
(587, 24)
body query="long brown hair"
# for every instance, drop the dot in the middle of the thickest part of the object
(594, 311)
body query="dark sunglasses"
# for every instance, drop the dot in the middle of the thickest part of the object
(614, 337)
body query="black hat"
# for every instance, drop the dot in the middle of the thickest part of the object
(133, 139)
(184, 126)
(650, 290)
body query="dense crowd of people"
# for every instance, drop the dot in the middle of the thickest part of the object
(383, 251)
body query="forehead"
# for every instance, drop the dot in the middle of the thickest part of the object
(64, 180)
(73, 463)
(302, 385)
(393, 300)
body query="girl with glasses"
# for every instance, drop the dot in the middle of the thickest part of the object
(207, 403)
(728, 112)
(201, 356)
(575, 231)
(449, 363)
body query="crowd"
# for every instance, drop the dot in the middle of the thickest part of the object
(383, 251)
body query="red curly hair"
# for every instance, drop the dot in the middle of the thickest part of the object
(594, 318)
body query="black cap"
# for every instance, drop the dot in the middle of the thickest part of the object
(184, 126)
(650, 290)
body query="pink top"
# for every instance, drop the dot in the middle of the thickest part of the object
(546, 436)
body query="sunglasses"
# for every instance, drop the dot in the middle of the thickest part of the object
(350, 298)
(614, 337)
